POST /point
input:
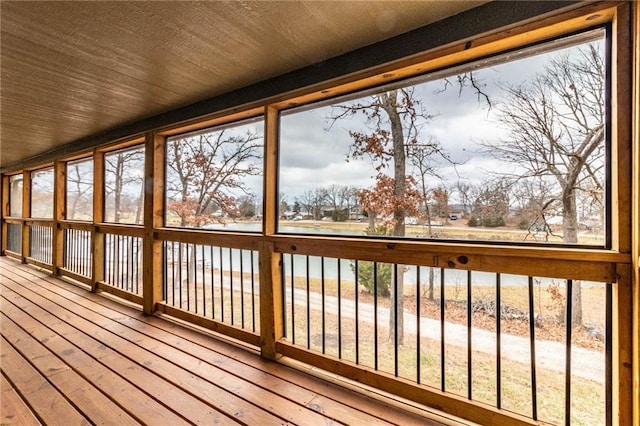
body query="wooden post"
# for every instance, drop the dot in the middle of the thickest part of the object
(98, 217)
(59, 205)
(26, 213)
(622, 349)
(4, 196)
(622, 172)
(635, 223)
(271, 326)
(153, 218)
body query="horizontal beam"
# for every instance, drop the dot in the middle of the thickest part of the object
(433, 398)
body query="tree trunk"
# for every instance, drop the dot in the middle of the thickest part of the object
(570, 235)
(389, 104)
(117, 194)
(140, 204)
(431, 282)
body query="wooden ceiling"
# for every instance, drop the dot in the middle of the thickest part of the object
(71, 70)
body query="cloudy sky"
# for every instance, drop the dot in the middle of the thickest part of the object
(314, 154)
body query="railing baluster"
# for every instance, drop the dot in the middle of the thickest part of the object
(357, 291)
(323, 307)
(82, 254)
(375, 314)
(253, 295)
(418, 293)
(293, 305)
(498, 343)
(173, 274)
(469, 337)
(609, 354)
(138, 241)
(79, 252)
(308, 307)
(85, 255)
(165, 267)
(532, 344)
(180, 245)
(221, 286)
(567, 377)
(107, 258)
(211, 274)
(442, 345)
(204, 285)
(241, 288)
(68, 250)
(231, 285)
(116, 261)
(131, 273)
(194, 264)
(76, 251)
(396, 300)
(283, 285)
(339, 264)
(127, 260)
(64, 248)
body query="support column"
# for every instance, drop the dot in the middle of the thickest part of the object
(153, 218)
(4, 196)
(26, 213)
(271, 325)
(98, 217)
(59, 205)
(635, 230)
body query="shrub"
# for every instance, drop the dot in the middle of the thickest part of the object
(365, 277)
(493, 221)
(473, 221)
(524, 224)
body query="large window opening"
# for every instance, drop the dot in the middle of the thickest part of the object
(15, 195)
(506, 149)
(42, 193)
(124, 186)
(80, 190)
(214, 178)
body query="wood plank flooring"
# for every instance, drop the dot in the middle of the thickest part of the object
(71, 357)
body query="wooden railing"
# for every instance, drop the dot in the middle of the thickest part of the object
(41, 242)
(14, 236)
(123, 262)
(487, 337)
(213, 280)
(118, 264)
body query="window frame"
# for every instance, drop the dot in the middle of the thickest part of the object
(527, 49)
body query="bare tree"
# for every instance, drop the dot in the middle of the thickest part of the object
(465, 192)
(556, 128)
(339, 197)
(79, 188)
(312, 201)
(491, 202)
(120, 179)
(205, 171)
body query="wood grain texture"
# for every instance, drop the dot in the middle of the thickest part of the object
(154, 370)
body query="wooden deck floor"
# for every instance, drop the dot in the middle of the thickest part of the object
(72, 357)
